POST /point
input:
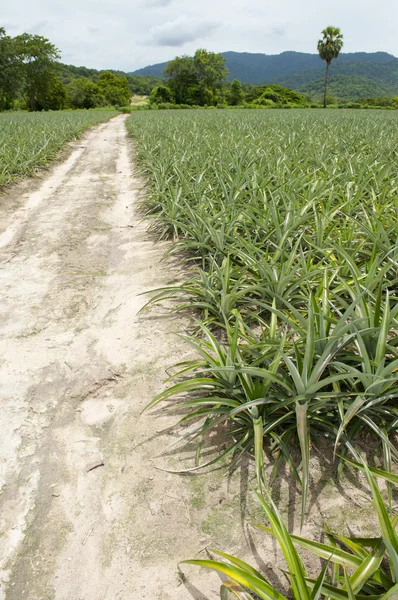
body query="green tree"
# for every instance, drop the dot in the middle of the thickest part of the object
(276, 93)
(196, 80)
(37, 57)
(115, 89)
(329, 48)
(143, 84)
(271, 94)
(182, 79)
(52, 95)
(330, 100)
(84, 93)
(211, 72)
(160, 94)
(236, 94)
(10, 71)
(381, 101)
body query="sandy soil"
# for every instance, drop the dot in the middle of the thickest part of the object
(84, 512)
(136, 99)
(77, 368)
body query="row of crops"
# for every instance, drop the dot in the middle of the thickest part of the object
(287, 226)
(28, 141)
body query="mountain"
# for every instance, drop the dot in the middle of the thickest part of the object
(346, 88)
(354, 75)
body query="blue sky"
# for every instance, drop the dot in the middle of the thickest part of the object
(129, 34)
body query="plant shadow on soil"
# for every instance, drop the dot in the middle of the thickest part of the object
(223, 506)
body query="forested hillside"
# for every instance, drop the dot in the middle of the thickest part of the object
(354, 76)
(345, 87)
(138, 84)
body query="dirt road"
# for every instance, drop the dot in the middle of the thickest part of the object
(84, 514)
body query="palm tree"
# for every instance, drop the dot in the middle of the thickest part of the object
(329, 47)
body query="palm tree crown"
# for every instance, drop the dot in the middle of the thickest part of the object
(331, 44)
(329, 47)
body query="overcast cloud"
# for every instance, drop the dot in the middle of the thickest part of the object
(129, 34)
(181, 31)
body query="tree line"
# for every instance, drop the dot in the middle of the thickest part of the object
(138, 84)
(29, 78)
(234, 94)
(200, 80)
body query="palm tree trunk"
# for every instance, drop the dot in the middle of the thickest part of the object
(326, 84)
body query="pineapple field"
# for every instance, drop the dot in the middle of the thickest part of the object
(287, 224)
(29, 141)
(199, 355)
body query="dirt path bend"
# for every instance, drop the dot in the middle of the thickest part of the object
(84, 515)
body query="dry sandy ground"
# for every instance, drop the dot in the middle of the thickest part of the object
(136, 99)
(78, 365)
(84, 512)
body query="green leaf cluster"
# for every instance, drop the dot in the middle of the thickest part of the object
(114, 89)
(198, 79)
(27, 68)
(31, 75)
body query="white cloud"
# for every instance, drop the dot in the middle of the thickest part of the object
(129, 34)
(180, 31)
(156, 3)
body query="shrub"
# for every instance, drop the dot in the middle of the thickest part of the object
(272, 95)
(350, 105)
(160, 95)
(125, 109)
(262, 101)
